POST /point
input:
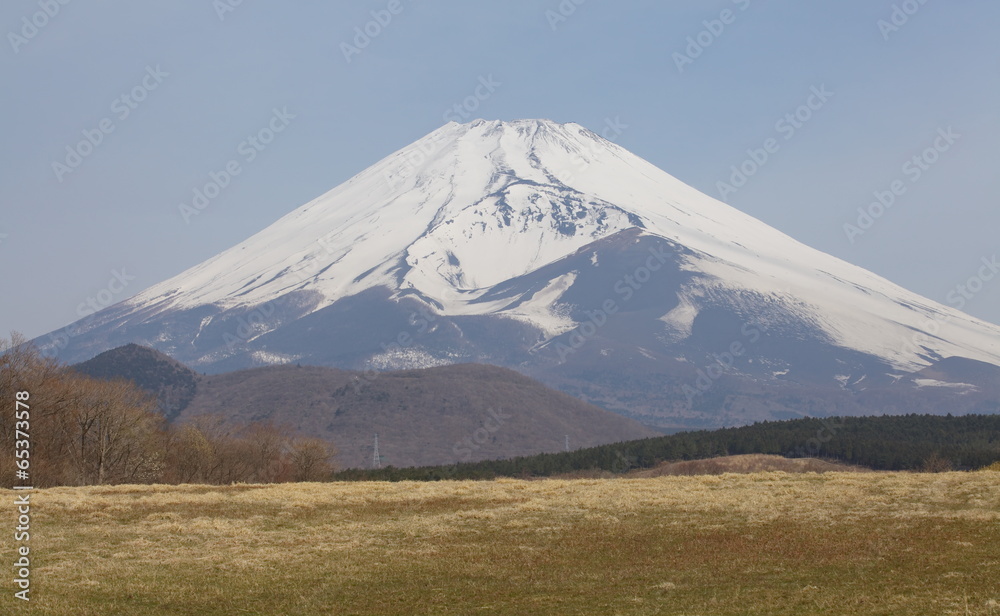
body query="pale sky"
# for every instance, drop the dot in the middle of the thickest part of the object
(170, 91)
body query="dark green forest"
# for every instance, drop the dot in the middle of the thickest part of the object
(904, 442)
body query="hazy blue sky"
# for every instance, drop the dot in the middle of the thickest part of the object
(208, 82)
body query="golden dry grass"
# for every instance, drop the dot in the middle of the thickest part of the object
(748, 463)
(765, 543)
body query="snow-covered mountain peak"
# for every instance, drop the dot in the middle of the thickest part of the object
(448, 196)
(471, 207)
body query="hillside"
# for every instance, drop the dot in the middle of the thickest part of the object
(437, 415)
(170, 381)
(442, 415)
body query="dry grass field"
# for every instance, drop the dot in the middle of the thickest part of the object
(748, 463)
(762, 543)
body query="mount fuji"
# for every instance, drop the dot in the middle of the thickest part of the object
(545, 248)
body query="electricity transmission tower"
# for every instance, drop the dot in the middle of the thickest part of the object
(376, 459)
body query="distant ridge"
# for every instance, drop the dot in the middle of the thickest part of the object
(440, 415)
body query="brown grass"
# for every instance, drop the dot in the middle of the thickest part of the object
(749, 463)
(763, 543)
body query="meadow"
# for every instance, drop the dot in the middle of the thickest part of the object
(761, 543)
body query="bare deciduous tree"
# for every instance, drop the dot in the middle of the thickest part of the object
(311, 459)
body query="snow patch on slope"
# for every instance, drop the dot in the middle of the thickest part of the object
(544, 311)
(404, 358)
(965, 387)
(680, 320)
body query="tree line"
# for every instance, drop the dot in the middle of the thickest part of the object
(86, 431)
(913, 442)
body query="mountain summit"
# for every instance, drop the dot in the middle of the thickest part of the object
(546, 248)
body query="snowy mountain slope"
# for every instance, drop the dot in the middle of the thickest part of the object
(498, 241)
(487, 205)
